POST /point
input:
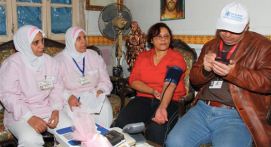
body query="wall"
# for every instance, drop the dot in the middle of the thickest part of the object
(200, 17)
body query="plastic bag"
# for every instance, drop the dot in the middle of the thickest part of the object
(85, 130)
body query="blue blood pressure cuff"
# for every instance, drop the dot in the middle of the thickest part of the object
(173, 74)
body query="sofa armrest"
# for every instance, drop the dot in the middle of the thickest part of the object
(5, 135)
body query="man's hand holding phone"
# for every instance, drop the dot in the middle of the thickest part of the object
(222, 67)
(225, 61)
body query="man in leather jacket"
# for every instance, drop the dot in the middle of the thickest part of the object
(233, 74)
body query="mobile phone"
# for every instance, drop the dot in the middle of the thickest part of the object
(225, 61)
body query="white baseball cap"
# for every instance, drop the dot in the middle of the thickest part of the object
(233, 18)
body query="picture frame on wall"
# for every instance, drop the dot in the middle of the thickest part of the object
(98, 5)
(172, 10)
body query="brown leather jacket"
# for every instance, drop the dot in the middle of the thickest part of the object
(250, 82)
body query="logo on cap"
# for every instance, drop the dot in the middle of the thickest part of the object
(233, 16)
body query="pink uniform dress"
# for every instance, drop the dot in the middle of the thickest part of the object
(30, 86)
(83, 74)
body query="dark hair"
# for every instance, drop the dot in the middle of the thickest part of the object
(155, 31)
(178, 5)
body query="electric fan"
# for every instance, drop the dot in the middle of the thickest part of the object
(114, 22)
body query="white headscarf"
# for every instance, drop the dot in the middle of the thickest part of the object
(22, 41)
(70, 39)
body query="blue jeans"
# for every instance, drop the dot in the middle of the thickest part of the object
(206, 124)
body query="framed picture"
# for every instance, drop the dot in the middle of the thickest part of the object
(98, 5)
(172, 9)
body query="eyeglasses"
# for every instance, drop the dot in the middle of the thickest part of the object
(36, 42)
(160, 37)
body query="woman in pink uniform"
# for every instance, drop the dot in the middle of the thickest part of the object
(30, 89)
(85, 77)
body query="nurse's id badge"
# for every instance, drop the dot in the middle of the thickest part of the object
(47, 83)
(84, 80)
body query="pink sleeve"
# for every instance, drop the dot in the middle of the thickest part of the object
(56, 98)
(10, 90)
(60, 59)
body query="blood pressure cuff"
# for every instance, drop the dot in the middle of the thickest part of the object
(173, 74)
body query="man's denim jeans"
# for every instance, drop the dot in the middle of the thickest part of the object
(206, 124)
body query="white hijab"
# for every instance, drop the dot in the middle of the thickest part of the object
(70, 39)
(22, 41)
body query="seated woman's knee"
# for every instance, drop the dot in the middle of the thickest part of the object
(31, 141)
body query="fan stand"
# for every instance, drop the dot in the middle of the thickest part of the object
(117, 70)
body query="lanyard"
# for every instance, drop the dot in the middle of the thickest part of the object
(229, 54)
(81, 70)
